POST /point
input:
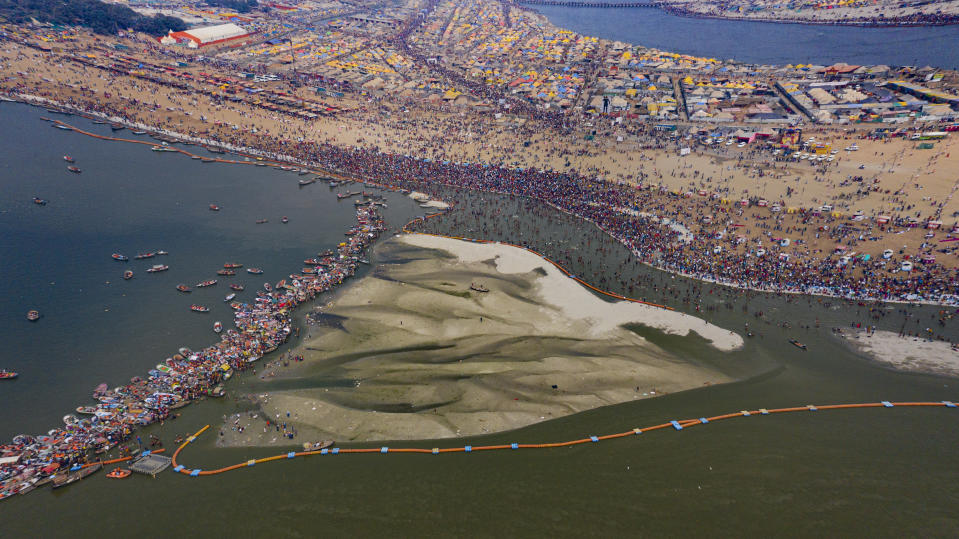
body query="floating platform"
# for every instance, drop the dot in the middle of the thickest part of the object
(150, 464)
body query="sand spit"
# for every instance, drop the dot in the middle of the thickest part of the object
(573, 300)
(414, 353)
(907, 353)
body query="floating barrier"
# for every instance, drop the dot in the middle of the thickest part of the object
(676, 424)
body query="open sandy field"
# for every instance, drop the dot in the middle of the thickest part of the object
(411, 352)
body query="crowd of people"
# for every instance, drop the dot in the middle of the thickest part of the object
(28, 462)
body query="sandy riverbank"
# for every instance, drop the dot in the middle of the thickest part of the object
(410, 352)
(907, 353)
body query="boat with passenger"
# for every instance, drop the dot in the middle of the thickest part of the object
(208, 282)
(217, 326)
(73, 169)
(39, 201)
(33, 315)
(225, 272)
(304, 183)
(285, 220)
(119, 258)
(183, 288)
(797, 344)
(199, 308)
(478, 288)
(237, 287)
(127, 275)
(119, 473)
(142, 256)
(232, 265)
(229, 297)
(214, 207)
(262, 221)
(254, 271)
(7, 375)
(67, 158)
(158, 268)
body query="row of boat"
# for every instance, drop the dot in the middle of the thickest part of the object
(260, 327)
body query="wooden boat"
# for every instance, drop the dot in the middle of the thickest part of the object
(158, 268)
(119, 473)
(797, 344)
(254, 271)
(183, 288)
(116, 127)
(478, 288)
(317, 446)
(74, 170)
(304, 183)
(7, 375)
(226, 272)
(262, 221)
(86, 410)
(206, 283)
(217, 391)
(72, 477)
(33, 316)
(237, 287)
(127, 275)
(199, 308)
(232, 265)
(141, 256)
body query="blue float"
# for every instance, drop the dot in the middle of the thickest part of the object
(514, 446)
(593, 438)
(291, 454)
(676, 425)
(703, 420)
(949, 404)
(324, 451)
(468, 448)
(887, 404)
(195, 473)
(178, 468)
(384, 449)
(335, 451)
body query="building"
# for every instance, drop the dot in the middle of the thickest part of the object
(207, 35)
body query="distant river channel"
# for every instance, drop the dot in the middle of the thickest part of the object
(757, 42)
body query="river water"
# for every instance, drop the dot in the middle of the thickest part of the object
(840, 473)
(757, 42)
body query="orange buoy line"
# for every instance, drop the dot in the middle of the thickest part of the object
(675, 424)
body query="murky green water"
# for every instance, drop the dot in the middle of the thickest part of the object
(872, 472)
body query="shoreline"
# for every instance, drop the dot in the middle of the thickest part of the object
(812, 290)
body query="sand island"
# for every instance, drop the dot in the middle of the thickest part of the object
(430, 358)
